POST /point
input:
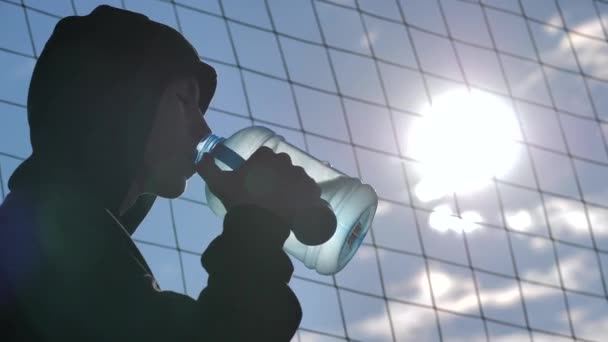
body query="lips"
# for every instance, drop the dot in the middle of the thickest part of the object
(191, 166)
(191, 170)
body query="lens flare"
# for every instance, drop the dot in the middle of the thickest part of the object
(443, 220)
(464, 139)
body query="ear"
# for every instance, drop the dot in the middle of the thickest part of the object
(193, 89)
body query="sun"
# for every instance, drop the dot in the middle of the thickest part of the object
(463, 140)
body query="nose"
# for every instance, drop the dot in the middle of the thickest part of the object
(200, 128)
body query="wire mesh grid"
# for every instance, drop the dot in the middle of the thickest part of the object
(456, 298)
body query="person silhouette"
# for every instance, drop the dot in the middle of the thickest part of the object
(115, 109)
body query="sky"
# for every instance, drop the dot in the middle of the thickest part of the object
(482, 126)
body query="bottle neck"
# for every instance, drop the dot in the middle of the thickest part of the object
(206, 145)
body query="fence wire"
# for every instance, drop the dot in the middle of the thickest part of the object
(310, 333)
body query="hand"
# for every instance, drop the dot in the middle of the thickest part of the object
(267, 179)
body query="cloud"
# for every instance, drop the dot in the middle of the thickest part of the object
(592, 53)
(457, 293)
(591, 325)
(366, 41)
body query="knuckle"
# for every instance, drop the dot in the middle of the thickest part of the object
(262, 153)
(307, 183)
(300, 171)
(284, 157)
(263, 150)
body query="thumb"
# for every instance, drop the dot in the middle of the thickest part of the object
(211, 173)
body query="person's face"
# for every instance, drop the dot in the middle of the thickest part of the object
(171, 146)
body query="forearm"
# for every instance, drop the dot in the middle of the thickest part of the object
(247, 293)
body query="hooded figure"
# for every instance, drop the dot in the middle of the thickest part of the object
(68, 267)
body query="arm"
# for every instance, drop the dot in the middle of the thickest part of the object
(247, 296)
(247, 293)
(82, 281)
(90, 288)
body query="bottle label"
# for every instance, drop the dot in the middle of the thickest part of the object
(227, 156)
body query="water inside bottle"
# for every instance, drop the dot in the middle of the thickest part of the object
(353, 203)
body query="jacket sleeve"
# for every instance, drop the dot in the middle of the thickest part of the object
(247, 296)
(77, 282)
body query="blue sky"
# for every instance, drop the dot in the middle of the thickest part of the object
(360, 82)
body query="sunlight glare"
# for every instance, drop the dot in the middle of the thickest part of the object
(442, 219)
(441, 283)
(464, 139)
(520, 220)
(577, 220)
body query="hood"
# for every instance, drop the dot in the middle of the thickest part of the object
(92, 100)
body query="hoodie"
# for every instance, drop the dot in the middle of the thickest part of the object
(68, 266)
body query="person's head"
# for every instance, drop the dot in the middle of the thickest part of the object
(114, 99)
(171, 145)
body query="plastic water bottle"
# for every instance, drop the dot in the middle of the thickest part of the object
(353, 203)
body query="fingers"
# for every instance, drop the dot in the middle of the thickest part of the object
(211, 173)
(262, 152)
(283, 158)
(267, 156)
(288, 175)
(307, 187)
